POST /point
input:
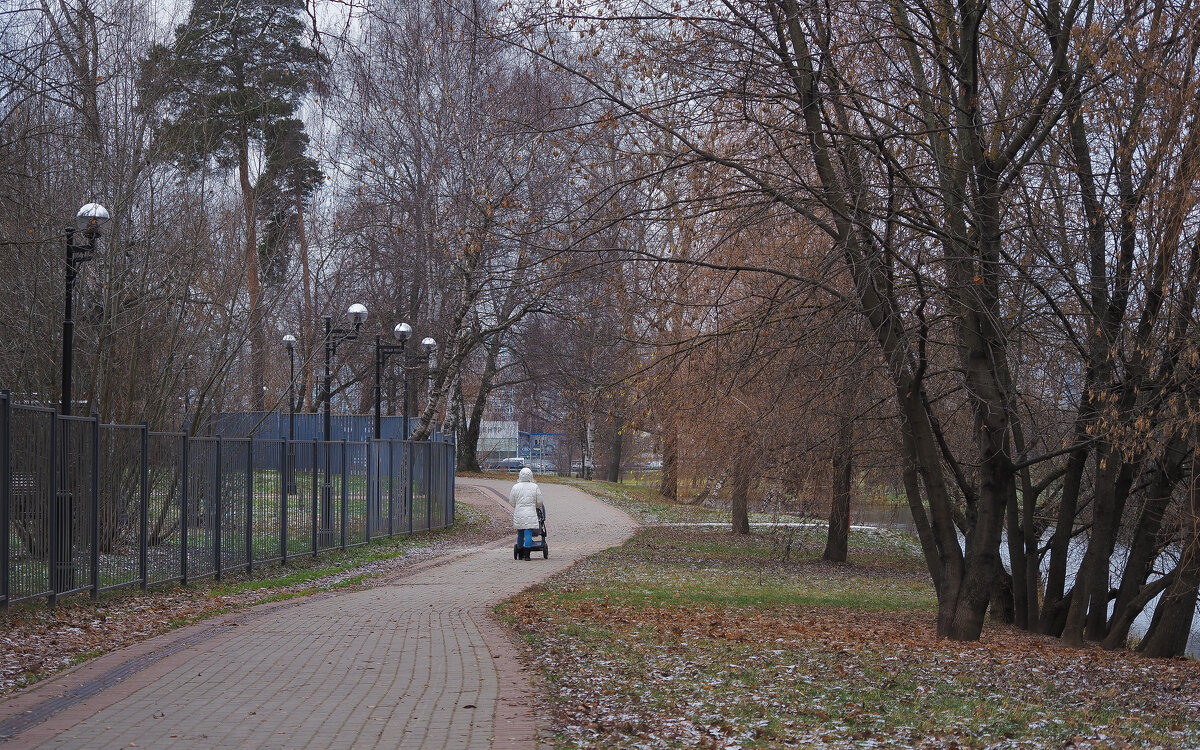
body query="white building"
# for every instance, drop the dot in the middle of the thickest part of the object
(498, 439)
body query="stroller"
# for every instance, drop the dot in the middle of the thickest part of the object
(539, 540)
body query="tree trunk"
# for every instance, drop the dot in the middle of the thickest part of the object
(1031, 532)
(454, 408)
(1115, 491)
(1088, 614)
(258, 336)
(741, 499)
(307, 325)
(1172, 623)
(468, 458)
(1118, 634)
(1143, 550)
(935, 524)
(669, 483)
(837, 539)
(1054, 603)
(1003, 607)
(615, 446)
(1019, 563)
(589, 450)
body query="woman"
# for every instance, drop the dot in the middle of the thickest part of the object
(526, 498)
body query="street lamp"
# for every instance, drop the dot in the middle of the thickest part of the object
(90, 222)
(382, 351)
(334, 337)
(290, 342)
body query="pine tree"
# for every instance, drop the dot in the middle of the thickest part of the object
(230, 85)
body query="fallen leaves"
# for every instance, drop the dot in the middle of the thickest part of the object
(663, 671)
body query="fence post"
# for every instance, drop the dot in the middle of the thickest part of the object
(345, 489)
(287, 487)
(52, 522)
(250, 505)
(144, 516)
(316, 492)
(5, 491)
(183, 512)
(408, 480)
(391, 488)
(429, 486)
(451, 461)
(372, 482)
(220, 514)
(95, 530)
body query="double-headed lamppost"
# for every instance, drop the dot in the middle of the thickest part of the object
(290, 342)
(382, 351)
(334, 337)
(89, 222)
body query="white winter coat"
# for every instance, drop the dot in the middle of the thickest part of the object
(526, 498)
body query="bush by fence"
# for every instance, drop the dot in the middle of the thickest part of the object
(90, 507)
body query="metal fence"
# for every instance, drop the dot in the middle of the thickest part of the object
(307, 425)
(91, 507)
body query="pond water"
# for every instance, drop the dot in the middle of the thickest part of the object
(899, 518)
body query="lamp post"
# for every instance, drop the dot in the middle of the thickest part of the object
(89, 222)
(290, 342)
(334, 337)
(382, 351)
(404, 388)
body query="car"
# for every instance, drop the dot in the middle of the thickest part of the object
(514, 463)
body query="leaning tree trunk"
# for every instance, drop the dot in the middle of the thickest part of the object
(1089, 602)
(1172, 623)
(1056, 602)
(1143, 550)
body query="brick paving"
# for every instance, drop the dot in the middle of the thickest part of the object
(405, 664)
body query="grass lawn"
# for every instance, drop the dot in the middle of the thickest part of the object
(689, 637)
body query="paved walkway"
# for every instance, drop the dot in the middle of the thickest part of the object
(407, 664)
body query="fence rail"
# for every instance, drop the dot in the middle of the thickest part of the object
(89, 507)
